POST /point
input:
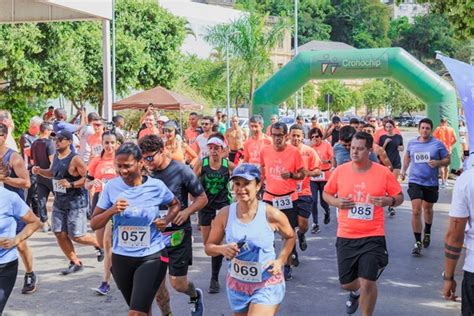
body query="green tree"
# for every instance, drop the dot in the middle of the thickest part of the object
(309, 97)
(400, 100)
(374, 94)
(341, 96)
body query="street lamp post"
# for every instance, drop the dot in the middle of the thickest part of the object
(296, 51)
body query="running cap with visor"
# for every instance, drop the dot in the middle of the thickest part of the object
(247, 171)
(216, 141)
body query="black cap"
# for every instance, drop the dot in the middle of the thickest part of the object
(336, 119)
(63, 134)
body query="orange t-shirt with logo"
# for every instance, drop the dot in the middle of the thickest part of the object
(445, 134)
(311, 161)
(276, 163)
(253, 148)
(102, 169)
(325, 152)
(95, 143)
(377, 181)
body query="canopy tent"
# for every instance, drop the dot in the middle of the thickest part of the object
(161, 98)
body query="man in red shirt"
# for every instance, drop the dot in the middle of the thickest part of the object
(360, 189)
(255, 143)
(447, 136)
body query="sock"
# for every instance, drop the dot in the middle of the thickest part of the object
(191, 291)
(427, 228)
(216, 266)
(417, 237)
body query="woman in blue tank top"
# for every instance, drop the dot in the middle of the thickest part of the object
(255, 283)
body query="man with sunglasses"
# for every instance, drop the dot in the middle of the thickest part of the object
(206, 124)
(180, 179)
(69, 217)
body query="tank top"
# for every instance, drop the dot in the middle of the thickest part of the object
(258, 248)
(66, 198)
(12, 174)
(216, 184)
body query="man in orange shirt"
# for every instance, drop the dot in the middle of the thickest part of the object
(273, 120)
(254, 144)
(193, 130)
(447, 136)
(311, 164)
(283, 167)
(360, 189)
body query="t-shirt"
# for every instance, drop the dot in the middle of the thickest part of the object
(420, 153)
(95, 144)
(462, 205)
(392, 149)
(445, 134)
(134, 234)
(366, 219)
(84, 148)
(102, 169)
(61, 125)
(253, 148)
(276, 163)
(343, 155)
(221, 128)
(26, 141)
(201, 142)
(190, 134)
(12, 209)
(325, 152)
(181, 180)
(41, 149)
(311, 161)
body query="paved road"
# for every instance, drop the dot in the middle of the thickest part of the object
(409, 286)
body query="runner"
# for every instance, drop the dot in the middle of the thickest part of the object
(255, 143)
(342, 148)
(150, 126)
(460, 214)
(447, 136)
(206, 124)
(193, 130)
(360, 189)
(312, 168)
(306, 128)
(236, 137)
(333, 130)
(13, 210)
(49, 115)
(324, 151)
(214, 172)
(180, 179)
(100, 170)
(84, 133)
(427, 154)
(175, 147)
(14, 177)
(381, 130)
(379, 151)
(254, 282)
(283, 167)
(94, 141)
(135, 202)
(392, 144)
(70, 207)
(221, 128)
(273, 120)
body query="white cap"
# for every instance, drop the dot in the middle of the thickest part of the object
(163, 118)
(216, 141)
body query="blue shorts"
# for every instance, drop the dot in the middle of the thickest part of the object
(269, 295)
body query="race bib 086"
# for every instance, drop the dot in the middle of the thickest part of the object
(422, 157)
(246, 271)
(134, 236)
(282, 202)
(362, 211)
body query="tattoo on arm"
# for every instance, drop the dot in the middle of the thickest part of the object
(452, 248)
(451, 256)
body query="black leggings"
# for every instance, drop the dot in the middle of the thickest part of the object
(317, 187)
(8, 273)
(139, 278)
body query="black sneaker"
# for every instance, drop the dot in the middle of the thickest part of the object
(197, 308)
(294, 259)
(288, 273)
(416, 252)
(29, 286)
(327, 217)
(426, 240)
(302, 241)
(315, 229)
(352, 303)
(391, 211)
(73, 268)
(214, 287)
(100, 254)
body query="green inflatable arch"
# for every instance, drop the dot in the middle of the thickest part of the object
(438, 95)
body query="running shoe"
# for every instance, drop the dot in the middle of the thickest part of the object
(103, 289)
(73, 268)
(294, 259)
(100, 254)
(443, 184)
(197, 308)
(426, 240)
(288, 273)
(391, 211)
(416, 252)
(315, 229)
(29, 286)
(214, 287)
(327, 217)
(352, 303)
(46, 227)
(302, 241)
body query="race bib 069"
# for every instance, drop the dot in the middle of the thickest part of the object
(282, 202)
(362, 211)
(57, 187)
(422, 157)
(134, 236)
(246, 271)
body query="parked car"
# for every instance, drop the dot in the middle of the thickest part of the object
(417, 119)
(323, 122)
(288, 120)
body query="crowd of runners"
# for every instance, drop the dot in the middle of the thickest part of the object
(139, 194)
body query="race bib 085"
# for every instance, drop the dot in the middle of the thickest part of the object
(134, 236)
(282, 202)
(422, 157)
(362, 211)
(246, 271)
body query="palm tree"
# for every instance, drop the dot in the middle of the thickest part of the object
(250, 40)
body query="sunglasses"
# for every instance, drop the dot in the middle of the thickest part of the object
(315, 136)
(151, 157)
(373, 121)
(205, 124)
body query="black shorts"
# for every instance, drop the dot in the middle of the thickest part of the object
(181, 256)
(303, 206)
(206, 216)
(291, 214)
(467, 290)
(361, 258)
(426, 193)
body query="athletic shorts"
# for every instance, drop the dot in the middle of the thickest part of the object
(426, 193)
(205, 217)
(73, 222)
(269, 295)
(303, 206)
(291, 214)
(361, 258)
(181, 256)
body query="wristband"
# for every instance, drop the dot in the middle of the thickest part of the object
(446, 278)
